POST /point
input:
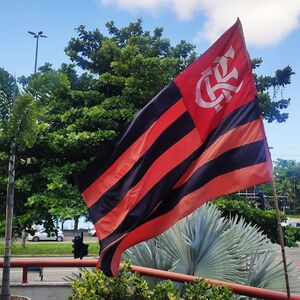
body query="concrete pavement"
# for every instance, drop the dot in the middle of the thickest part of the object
(51, 274)
(61, 274)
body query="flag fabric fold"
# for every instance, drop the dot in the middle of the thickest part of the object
(201, 137)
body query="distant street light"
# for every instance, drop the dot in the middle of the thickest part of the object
(37, 36)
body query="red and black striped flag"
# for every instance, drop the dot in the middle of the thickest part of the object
(201, 137)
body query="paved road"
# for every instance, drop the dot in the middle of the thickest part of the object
(67, 238)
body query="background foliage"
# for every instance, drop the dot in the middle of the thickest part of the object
(265, 220)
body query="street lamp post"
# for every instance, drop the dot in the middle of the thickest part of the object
(37, 36)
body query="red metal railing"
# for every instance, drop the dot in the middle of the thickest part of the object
(236, 288)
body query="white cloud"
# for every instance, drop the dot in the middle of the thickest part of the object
(265, 22)
(135, 5)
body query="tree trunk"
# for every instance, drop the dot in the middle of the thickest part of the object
(76, 221)
(5, 290)
(24, 236)
(62, 224)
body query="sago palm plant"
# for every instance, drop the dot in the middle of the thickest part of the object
(207, 245)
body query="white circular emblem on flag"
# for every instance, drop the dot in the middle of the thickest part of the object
(221, 90)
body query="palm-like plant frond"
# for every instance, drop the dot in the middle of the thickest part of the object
(207, 245)
(266, 271)
(22, 123)
(199, 247)
(143, 254)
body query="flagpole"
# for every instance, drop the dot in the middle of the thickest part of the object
(280, 235)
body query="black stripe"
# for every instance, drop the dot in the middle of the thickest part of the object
(107, 258)
(247, 113)
(234, 159)
(143, 209)
(145, 118)
(242, 115)
(177, 130)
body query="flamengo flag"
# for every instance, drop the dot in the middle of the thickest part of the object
(201, 137)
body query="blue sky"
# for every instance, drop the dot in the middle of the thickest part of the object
(271, 29)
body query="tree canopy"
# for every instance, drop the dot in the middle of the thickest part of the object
(268, 88)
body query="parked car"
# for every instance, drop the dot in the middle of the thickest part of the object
(286, 222)
(290, 222)
(43, 235)
(92, 232)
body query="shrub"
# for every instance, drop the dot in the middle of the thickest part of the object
(95, 285)
(200, 289)
(291, 236)
(165, 290)
(264, 219)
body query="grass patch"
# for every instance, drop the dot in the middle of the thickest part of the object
(49, 248)
(293, 216)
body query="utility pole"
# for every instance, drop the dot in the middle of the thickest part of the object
(37, 36)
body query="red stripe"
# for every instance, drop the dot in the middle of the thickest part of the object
(125, 162)
(221, 185)
(164, 164)
(236, 137)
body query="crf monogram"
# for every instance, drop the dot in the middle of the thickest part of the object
(221, 85)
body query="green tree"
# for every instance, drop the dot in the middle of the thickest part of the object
(20, 123)
(81, 115)
(270, 94)
(8, 90)
(53, 194)
(287, 175)
(287, 179)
